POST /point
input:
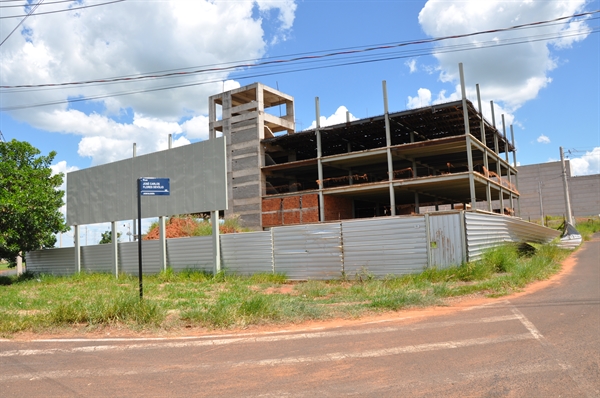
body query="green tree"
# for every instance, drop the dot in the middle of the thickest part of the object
(107, 237)
(30, 200)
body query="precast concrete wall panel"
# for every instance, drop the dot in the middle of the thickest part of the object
(109, 192)
(128, 257)
(52, 261)
(585, 195)
(190, 253)
(247, 253)
(383, 246)
(310, 251)
(584, 191)
(97, 258)
(446, 240)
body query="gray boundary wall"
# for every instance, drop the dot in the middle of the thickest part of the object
(584, 191)
(378, 246)
(109, 192)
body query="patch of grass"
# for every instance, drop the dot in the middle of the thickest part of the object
(395, 300)
(588, 227)
(104, 311)
(200, 299)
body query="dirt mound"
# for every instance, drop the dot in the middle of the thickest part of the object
(177, 227)
(174, 228)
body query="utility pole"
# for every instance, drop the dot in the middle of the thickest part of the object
(566, 187)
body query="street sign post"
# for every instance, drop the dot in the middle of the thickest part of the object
(152, 186)
(148, 186)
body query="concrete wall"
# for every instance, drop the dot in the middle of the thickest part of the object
(584, 191)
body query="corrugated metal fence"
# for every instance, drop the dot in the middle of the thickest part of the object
(378, 246)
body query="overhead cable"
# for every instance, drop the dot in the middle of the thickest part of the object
(266, 73)
(21, 22)
(66, 10)
(300, 58)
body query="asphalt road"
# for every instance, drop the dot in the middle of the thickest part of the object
(543, 344)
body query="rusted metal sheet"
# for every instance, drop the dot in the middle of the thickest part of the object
(52, 261)
(445, 239)
(311, 251)
(247, 253)
(383, 246)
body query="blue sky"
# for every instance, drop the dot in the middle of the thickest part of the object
(548, 89)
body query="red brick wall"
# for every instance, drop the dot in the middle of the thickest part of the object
(290, 210)
(303, 209)
(337, 208)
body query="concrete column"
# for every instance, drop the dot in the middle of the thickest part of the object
(488, 189)
(134, 208)
(163, 242)
(115, 247)
(162, 230)
(20, 264)
(212, 117)
(216, 241)
(497, 157)
(467, 136)
(77, 248)
(566, 187)
(319, 163)
(512, 138)
(508, 171)
(388, 143)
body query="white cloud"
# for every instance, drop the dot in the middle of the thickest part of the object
(106, 41)
(510, 75)
(542, 139)
(412, 65)
(196, 127)
(586, 164)
(61, 167)
(422, 99)
(338, 117)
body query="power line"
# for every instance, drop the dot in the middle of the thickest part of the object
(312, 56)
(66, 10)
(352, 58)
(21, 22)
(253, 76)
(28, 5)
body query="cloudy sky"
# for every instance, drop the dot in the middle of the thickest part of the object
(545, 79)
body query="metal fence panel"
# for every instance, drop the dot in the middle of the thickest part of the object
(383, 246)
(247, 253)
(484, 231)
(311, 251)
(96, 258)
(128, 257)
(190, 253)
(51, 261)
(446, 239)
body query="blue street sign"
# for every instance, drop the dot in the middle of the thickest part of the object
(152, 186)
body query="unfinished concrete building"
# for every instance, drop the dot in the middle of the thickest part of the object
(427, 159)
